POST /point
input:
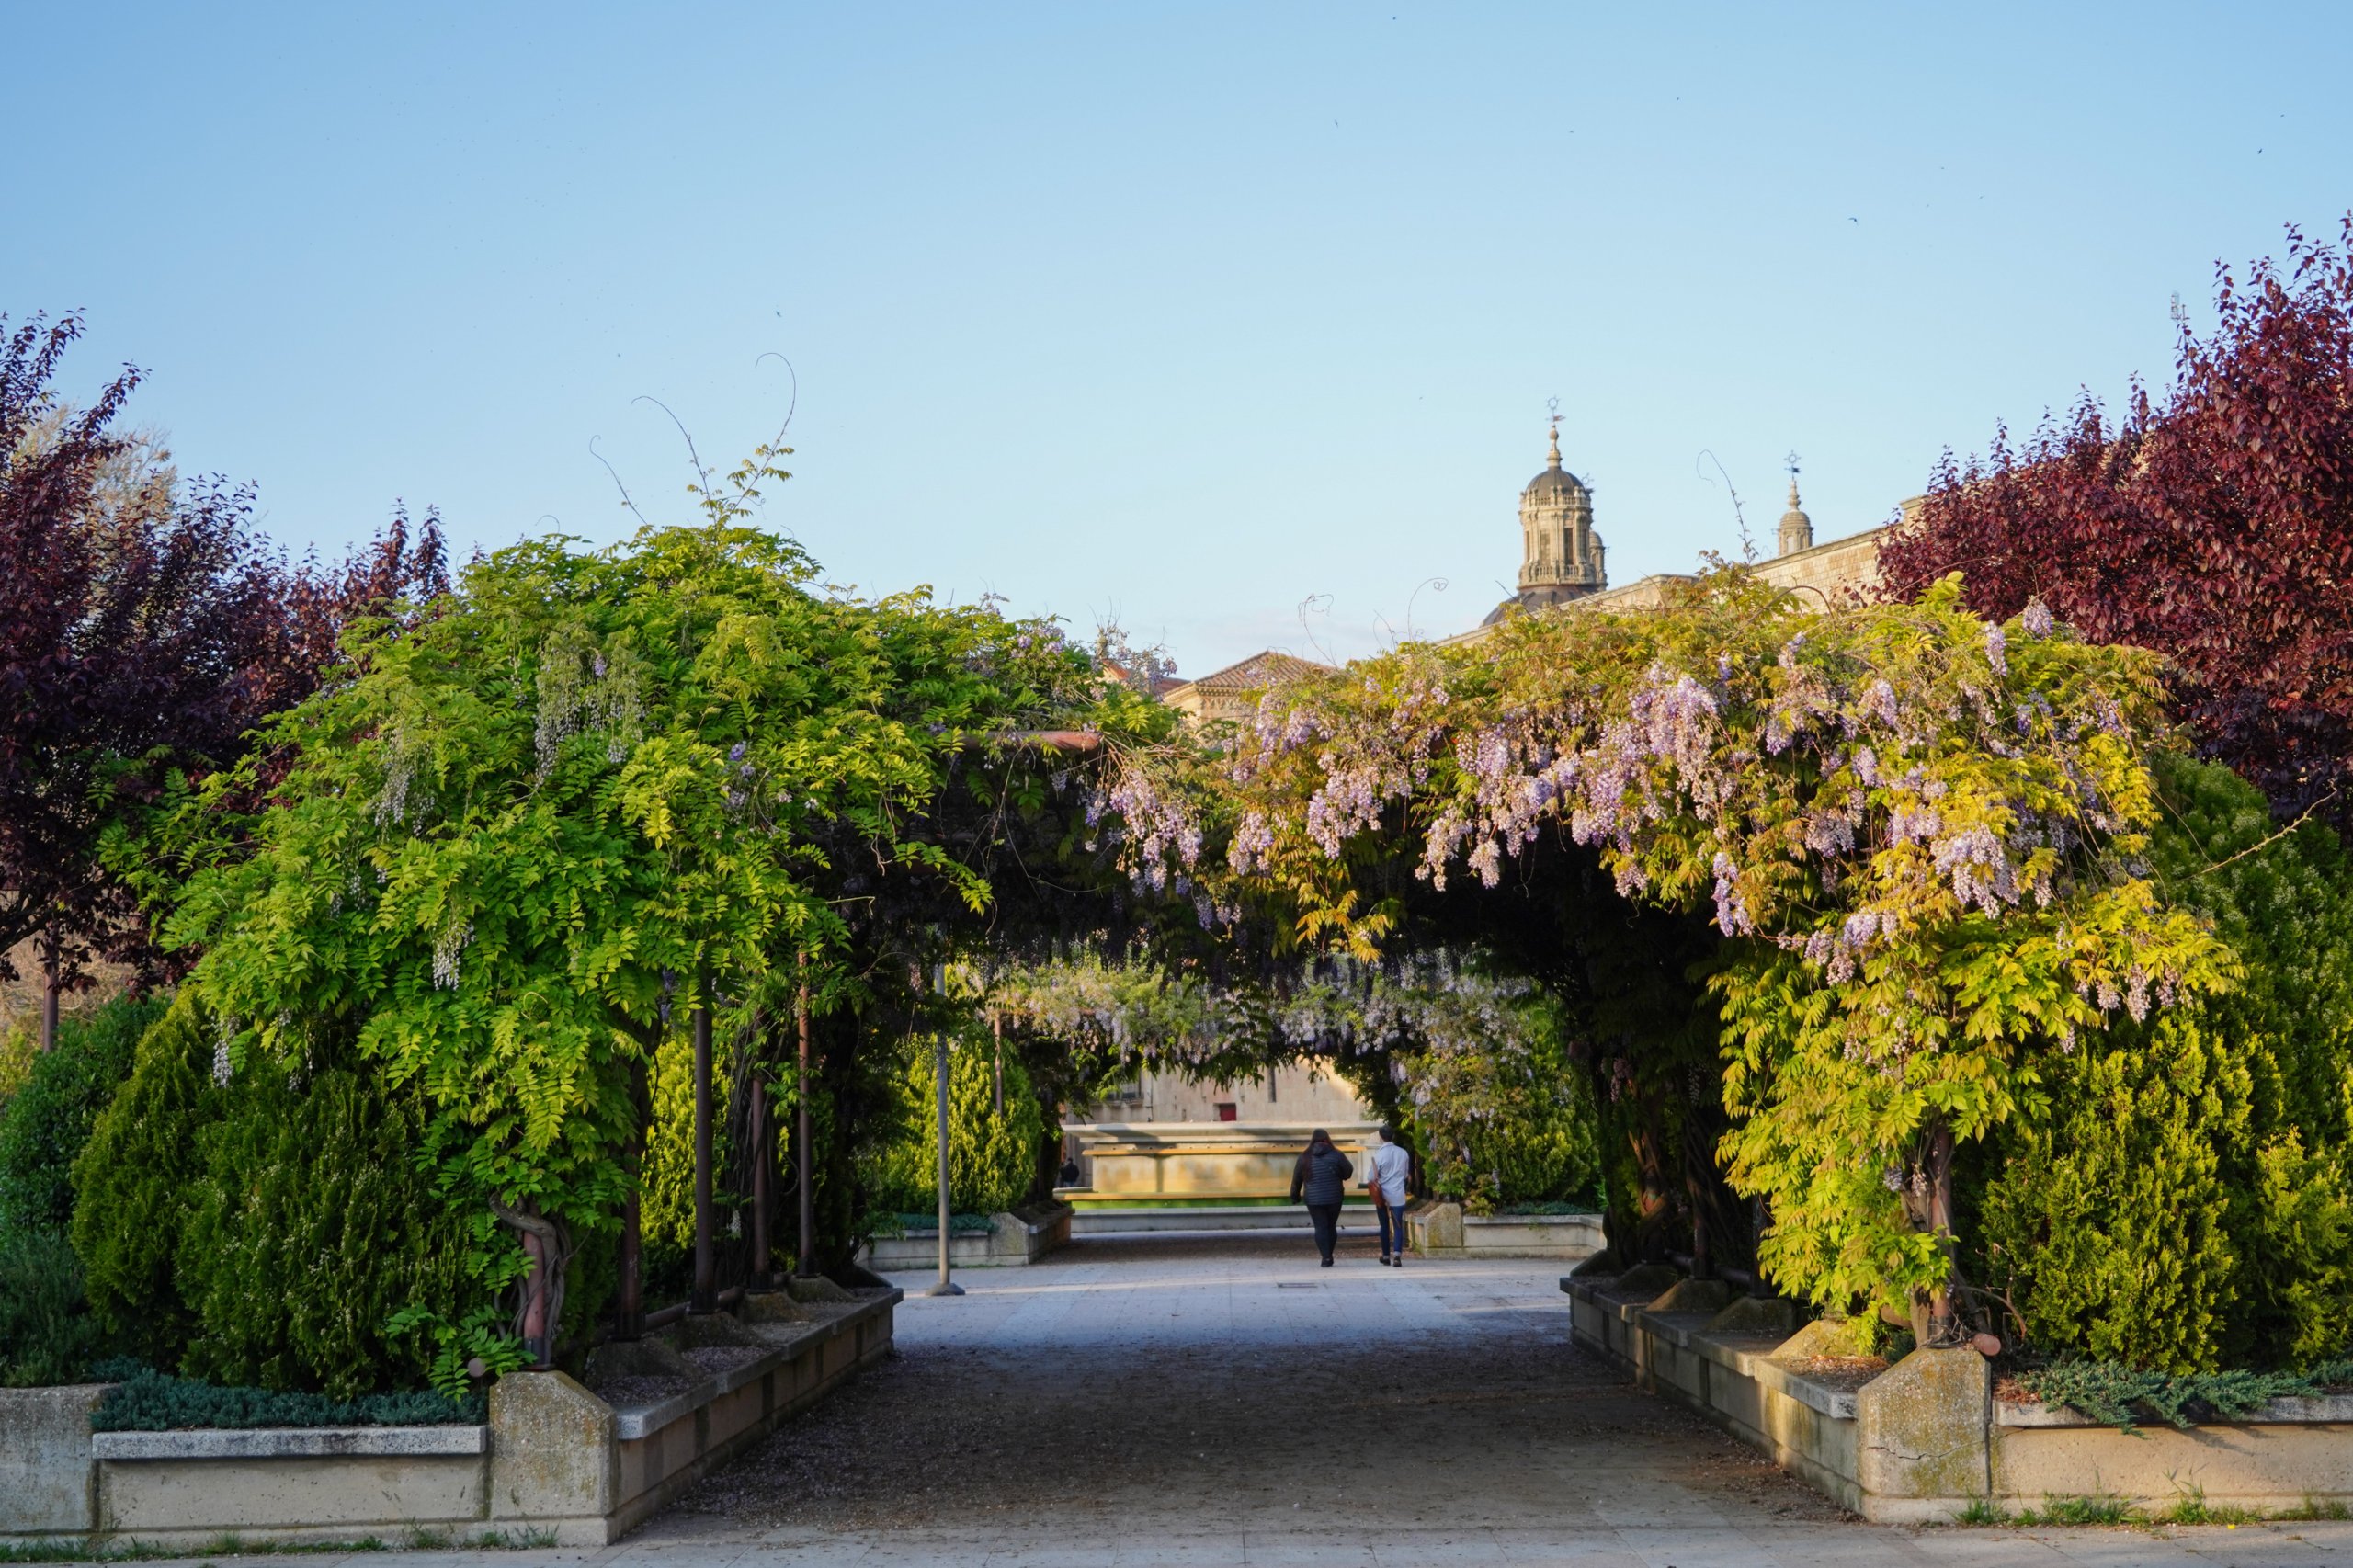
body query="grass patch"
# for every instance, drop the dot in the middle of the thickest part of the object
(2098, 1509)
(2313, 1510)
(2191, 1508)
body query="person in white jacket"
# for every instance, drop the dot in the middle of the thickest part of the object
(1388, 1166)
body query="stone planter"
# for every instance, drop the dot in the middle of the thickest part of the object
(1442, 1229)
(554, 1461)
(1012, 1240)
(1924, 1439)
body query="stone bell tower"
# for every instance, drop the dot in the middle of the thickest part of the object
(1560, 556)
(1797, 529)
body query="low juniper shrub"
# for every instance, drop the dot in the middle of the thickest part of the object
(145, 1400)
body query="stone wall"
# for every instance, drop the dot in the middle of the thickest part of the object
(554, 1461)
(1442, 1229)
(1924, 1440)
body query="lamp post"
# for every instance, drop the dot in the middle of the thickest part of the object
(945, 1287)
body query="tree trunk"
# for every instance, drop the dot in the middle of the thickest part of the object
(49, 989)
(1651, 1205)
(1944, 1324)
(548, 1250)
(629, 1310)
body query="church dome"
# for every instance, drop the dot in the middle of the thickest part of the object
(1555, 480)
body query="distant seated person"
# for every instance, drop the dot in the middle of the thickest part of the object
(1069, 1173)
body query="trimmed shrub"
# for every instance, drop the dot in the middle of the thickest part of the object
(2115, 1203)
(136, 1184)
(264, 1230)
(314, 1226)
(47, 1335)
(45, 1124)
(2178, 1197)
(991, 1158)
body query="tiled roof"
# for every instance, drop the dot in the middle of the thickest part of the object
(1258, 671)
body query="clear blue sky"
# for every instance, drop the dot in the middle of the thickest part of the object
(1177, 313)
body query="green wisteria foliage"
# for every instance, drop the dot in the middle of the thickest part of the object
(1916, 833)
(508, 850)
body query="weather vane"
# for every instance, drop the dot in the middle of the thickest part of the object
(1555, 404)
(1789, 462)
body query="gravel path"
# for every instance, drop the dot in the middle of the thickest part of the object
(1162, 1385)
(1169, 1403)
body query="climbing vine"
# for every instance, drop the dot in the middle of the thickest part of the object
(1917, 835)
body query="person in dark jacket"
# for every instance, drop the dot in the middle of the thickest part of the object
(1322, 1178)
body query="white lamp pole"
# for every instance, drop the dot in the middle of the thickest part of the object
(945, 1287)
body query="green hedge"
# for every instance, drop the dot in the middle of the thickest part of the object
(135, 1185)
(991, 1158)
(47, 1335)
(264, 1230)
(45, 1124)
(2176, 1197)
(148, 1400)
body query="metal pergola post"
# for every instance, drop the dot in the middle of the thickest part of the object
(704, 1297)
(804, 1260)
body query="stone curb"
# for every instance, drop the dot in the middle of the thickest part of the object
(290, 1442)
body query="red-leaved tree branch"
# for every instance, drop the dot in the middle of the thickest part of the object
(143, 627)
(2216, 527)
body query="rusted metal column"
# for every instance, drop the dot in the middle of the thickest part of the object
(804, 1260)
(705, 1295)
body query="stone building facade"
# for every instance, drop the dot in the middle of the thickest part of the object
(1557, 538)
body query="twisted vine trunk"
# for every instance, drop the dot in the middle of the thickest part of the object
(547, 1245)
(1935, 1318)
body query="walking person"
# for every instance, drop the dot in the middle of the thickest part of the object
(1322, 1178)
(1391, 1164)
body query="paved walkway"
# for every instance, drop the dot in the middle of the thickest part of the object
(1216, 1402)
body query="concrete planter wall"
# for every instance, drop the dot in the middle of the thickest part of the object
(1924, 1440)
(1010, 1240)
(1443, 1229)
(553, 1460)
